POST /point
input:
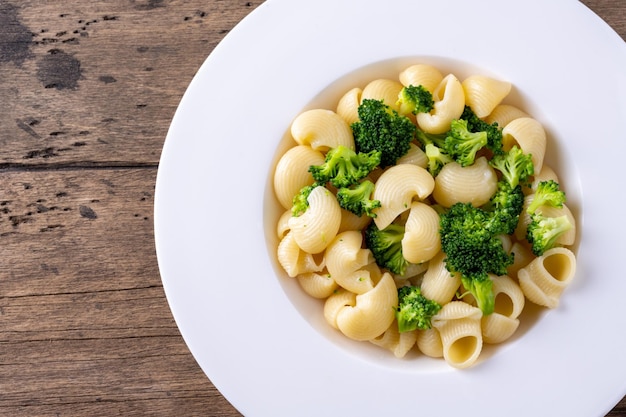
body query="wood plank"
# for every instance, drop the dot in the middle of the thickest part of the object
(74, 231)
(99, 82)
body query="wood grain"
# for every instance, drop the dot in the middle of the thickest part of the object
(88, 90)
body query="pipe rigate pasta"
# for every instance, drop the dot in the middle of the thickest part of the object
(509, 303)
(544, 279)
(459, 325)
(483, 94)
(373, 312)
(529, 135)
(429, 343)
(438, 283)
(295, 261)
(321, 129)
(383, 89)
(317, 284)
(566, 238)
(503, 114)
(415, 156)
(398, 343)
(345, 259)
(449, 104)
(292, 172)
(421, 240)
(338, 300)
(470, 184)
(348, 105)
(397, 187)
(421, 74)
(319, 224)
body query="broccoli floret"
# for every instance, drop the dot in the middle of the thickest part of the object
(547, 193)
(516, 166)
(300, 200)
(542, 232)
(414, 310)
(461, 144)
(475, 124)
(506, 205)
(415, 99)
(344, 167)
(437, 158)
(386, 246)
(357, 199)
(473, 250)
(380, 128)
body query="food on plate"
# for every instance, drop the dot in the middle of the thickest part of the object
(421, 211)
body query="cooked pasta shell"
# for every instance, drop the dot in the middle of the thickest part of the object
(293, 260)
(421, 240)
(421, 74)
(373, 313)
(497, 328)
(474, 183)
(318, 225)
(398, 343)
(415, 155)
(567, 238)
(545, 278)
(438, 283)
(396, 188)
(322, 129)
(503, 114)
(529, 135)
(459, 325)
(348, 105)
(429, 343)
(483, 94)
(317, 285)
(292, 172)
(449, 105)
(383, 89)
(339, 300)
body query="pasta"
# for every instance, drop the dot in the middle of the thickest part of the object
(321, 130)
(449, 104)
(397, 187)
(471, 184)
(324, 245)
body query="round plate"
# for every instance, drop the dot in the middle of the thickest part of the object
(257, 337)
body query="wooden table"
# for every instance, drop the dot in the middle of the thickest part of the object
(87, 92)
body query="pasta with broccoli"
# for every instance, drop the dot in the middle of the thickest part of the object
(421, 213)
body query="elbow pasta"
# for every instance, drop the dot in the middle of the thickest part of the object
(324, 248)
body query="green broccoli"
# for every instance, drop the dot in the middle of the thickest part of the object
(300, 200)
(505, 205)
(542, 232)
(437, 139)
(437, 158)
(380, 128)
(386, 246)
(547, 193)
(358, 200)
(516, 166)
(414, 310)
(475, 124)
(473, 250)
(461, 144)
(344, 167)
(415, 99)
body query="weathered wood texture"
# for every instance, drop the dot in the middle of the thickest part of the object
(87, 91)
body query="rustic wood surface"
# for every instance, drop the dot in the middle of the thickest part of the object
(87, 92)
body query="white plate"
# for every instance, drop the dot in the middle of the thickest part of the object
(260, 341)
